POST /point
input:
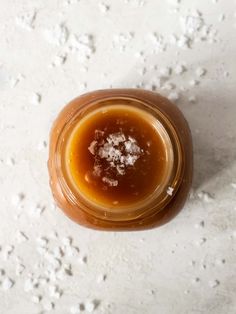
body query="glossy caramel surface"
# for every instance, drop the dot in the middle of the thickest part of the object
(116, 157)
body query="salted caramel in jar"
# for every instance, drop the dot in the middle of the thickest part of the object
(120, 159)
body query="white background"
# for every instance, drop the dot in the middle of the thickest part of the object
(186, 266)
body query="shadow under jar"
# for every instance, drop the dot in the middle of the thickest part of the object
(120, 159)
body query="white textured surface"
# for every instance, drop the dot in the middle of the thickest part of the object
(46, 59)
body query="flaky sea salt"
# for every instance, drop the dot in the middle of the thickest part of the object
(173, 96)
(90, 306)
(7, 283)
(36, 98)
(19, 269)
(36, 299)
(57, 35)
(104, 8)
(26, 20)
(214, 283)
(170, 191)
(83, 46)
(200, 72)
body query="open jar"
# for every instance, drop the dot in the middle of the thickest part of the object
(120, 159)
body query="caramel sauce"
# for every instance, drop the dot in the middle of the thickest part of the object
(117, 157)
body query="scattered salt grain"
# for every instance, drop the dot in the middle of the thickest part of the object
(104, 8)
(19, 269)
(26, 20)
(170, 191)
(42, 241)
(233, 185)
(67, 241)
(83, 46)
(193, 82)
(7, 251)
(72, 251)
(214, 283)
(90, 306)
(192, 99)
(76, 309)
(158, 42)
(173, 96)
(59, 60)
(17, 199)
(201, 241)
(36, 99)
(10, 161)
(221, 18)
(101, 278)
(36, 211)
(200, 72)
(179, 69)
(54, 292)
(109, 181)
(48, 306)
(58, 35)
(201, 224)
(36, 299)
(121, 40)
(205, 197)
(7, 283)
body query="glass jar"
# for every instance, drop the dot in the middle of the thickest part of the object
(172, 190)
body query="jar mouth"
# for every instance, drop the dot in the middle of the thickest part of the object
(162, 194)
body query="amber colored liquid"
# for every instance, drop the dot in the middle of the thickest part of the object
(116, 156)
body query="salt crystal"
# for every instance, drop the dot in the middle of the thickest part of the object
(192, 99)
(193, 82)
(10, 161)
(201, 224)
(48, 306)
(170, 191)
(214, 283)
(82, 45)
(36, 98)
(221, 18)
(205, 197)
(42, 241)
(76, 309)
(109, 181)
(30, 284)
(7, 251)
(59, 60)
(200, 72)
(179, 69)
(19, 269)
(7, 283)
(72, 251)
(103, 7)
(36, 211)
(54, 292)
(233, 185)
(36, 299)
(201, 241)
(101, 278)
(90, 306)
(165, 72)
(67, 241)
(58, 35)
(17, 199)
(158, 42)
(26, 20)
(173, 96)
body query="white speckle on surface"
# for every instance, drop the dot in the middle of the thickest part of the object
(200, 72)
(205, 197)
(36, 98)
(36, 299)
(48, 306)
(75, 309)
(170, 191)
(173, 96)
(7, 283)
(214, 283)
(104, 8)
(83, 46)
(27, 20)
(57, 35)
(90, 306)
(19, 269)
